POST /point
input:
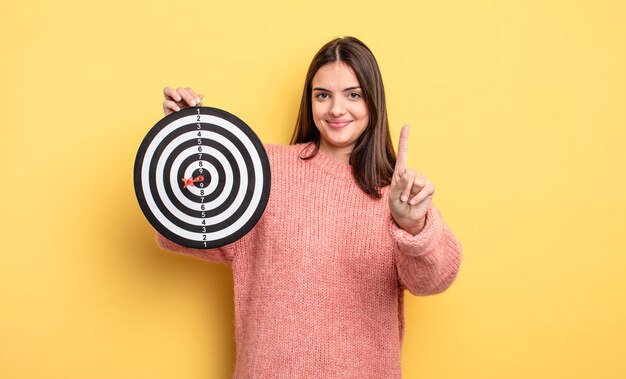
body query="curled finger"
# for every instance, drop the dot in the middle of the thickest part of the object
(426, 191)
(187, 96)
(195, 96)
(171, 94)
(419, 183)
(170, 106)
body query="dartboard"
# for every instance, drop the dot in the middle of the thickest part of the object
(202, 177)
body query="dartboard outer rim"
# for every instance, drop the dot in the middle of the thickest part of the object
(265, 166)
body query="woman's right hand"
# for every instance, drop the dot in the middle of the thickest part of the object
(177, 99)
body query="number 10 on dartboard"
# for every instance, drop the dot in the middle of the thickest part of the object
(202, 177)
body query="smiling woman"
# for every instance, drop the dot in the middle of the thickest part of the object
(339, 111)
(320, 279)
(348, 67)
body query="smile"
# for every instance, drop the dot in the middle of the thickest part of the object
(338, 124)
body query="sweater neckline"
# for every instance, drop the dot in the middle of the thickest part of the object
(327, 163)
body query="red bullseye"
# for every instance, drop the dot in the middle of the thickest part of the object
(191, 181)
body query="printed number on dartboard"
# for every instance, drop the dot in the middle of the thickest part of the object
(200, 171)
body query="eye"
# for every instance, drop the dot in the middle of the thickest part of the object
(321, 95)
(354, 95)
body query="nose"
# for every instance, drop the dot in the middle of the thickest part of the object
(338, 108)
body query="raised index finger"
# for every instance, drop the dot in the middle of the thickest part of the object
(402, 149)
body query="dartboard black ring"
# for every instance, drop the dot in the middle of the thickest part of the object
(202, 177)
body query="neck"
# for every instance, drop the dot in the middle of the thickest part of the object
(342, 154)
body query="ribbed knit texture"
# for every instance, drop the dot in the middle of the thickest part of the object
(319, 280)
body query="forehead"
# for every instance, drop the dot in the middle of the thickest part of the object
(335, 75)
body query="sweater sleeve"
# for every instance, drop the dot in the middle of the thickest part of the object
(428, 262)
(222, 254)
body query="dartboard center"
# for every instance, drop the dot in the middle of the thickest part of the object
(201, 178)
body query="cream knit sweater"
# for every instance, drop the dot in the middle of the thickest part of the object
(319, 281)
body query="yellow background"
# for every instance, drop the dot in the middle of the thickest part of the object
(518, 116)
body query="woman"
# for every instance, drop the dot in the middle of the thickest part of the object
(319, 280)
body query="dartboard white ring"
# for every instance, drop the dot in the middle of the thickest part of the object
(230, 172)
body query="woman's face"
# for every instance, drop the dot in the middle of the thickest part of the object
(339, 109)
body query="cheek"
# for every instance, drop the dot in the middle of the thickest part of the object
(318, 111)
(364, 123)
(365, 118)
(363, 114)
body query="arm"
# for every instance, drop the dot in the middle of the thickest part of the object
(428, 262)
(427, 253)
(175, 100)
(222, 254)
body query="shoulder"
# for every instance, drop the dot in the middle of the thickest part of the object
(282, 154)
(272, 148)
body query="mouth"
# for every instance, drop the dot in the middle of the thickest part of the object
(338, 124)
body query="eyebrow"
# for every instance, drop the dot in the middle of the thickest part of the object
(346, 89)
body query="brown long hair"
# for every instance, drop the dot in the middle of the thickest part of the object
(373, 158)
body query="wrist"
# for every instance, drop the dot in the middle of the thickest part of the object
(413, 228)
(416, 229)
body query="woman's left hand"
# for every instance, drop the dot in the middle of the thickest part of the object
(410, 193)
